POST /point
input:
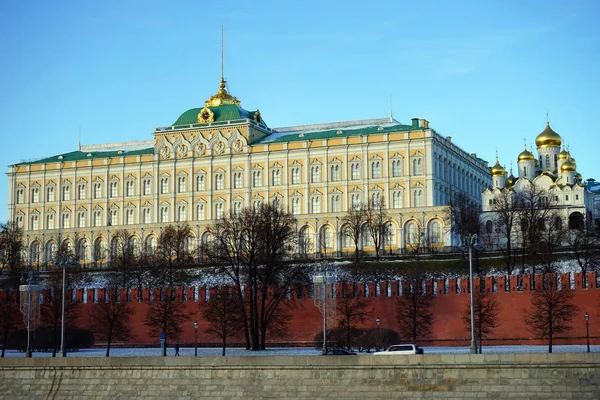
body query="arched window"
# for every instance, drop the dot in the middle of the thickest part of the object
(412, 233)
(547, 161)
(489, 227)
(435, 232)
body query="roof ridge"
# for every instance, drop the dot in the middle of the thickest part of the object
(333, 125)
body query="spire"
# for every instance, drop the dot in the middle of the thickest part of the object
(391, 109)
(222, 55)
(79, 140)
(222, 97)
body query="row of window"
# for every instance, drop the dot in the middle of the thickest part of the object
(219, 181)
(315, 207)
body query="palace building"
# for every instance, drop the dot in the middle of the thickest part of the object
(216, 159)
(553, 173)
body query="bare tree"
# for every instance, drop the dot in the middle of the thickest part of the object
(110, 319)
(503, 219)
(414, 308)
(485, 309)
(11, 252)
(166, 315)
(9, 317)
(586, 251)
(352, 311)
(175, 254)
(377, 219)
(223, 315)
(464, 214)
(123, 256)
(353, 222)
(551, 311)
(250, 248)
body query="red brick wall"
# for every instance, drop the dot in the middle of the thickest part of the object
(448, 309)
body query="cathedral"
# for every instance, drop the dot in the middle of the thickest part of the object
(216, 159)
(553, 172)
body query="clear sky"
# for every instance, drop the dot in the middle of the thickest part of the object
(484, 72)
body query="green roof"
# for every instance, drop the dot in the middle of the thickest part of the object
(226, 112)
(88, 155)
(279, 137)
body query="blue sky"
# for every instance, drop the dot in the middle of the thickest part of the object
(484, 72)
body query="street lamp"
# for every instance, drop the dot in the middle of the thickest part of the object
(30, 307)
(377, 321)
(470, 241)
(195, 339)
(324, 274)
(65, 260)
(587, 329)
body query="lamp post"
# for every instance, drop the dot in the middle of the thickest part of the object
(587, 329)
(64, 261)
(195, 339)
(323, 275)
(377, 321)
(470, 241)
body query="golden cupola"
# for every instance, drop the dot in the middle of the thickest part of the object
(564, 154)
(568, 166)
(222, 97)
(526, 155)
(497, 169)
(510, 181)
(548, 138)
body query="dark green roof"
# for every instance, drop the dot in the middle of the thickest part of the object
(88, 155)
(226, 112)
(294, 136)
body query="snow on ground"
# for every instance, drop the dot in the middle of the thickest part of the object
(299, 351)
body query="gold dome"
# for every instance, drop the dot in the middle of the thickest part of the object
(222, 97)
(526, 155)
(563, 155)
(568, 166)
(497, 169)
(548, 138)
(510, 181)
(578, 177)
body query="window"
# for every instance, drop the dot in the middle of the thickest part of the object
(418, 198)
(129, 188)
(113, 218)
(296, 207)
(256, 204)
(35, 195)
(489, 227)
(256, 179)
(97, 218)
(237, 208)
(219, 210)
(315, 174)
(435, 234)
(81, 219)
(295, 175)
(66, 221)
(525, 171)
(114, 189)
(200, 215)
(547, 161)
(146, 216)
(20, 195)
(219, 181)
(375, 169)
(180, 213)
(315, 205)
(347, 238)
(237, 180)
(335, 173)
(396, 168)
(412, 234)
(34, 222)
(181, 184)
(146, 187)
(567, 197)
(336, 204)
(164, 214)
(20, 222)
(417, 166)
(375, 199)
(50, 221)
(164, 185)
(355, 171)
(276, 177)
(355, 201)
(200, 182)
(97, 190)
(129, 217)
(80, 192)
(397, 199)
(50, 194)
(576, 197)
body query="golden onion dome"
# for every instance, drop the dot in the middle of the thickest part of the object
(497, 169)
(222, 97)
(563, 155)
(548, 138)
(578, 177)
(510, 181)
(568, 166)
(526, 155)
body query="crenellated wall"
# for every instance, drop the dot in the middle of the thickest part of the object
(450, 300)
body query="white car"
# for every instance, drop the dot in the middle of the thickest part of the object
(400, 349)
